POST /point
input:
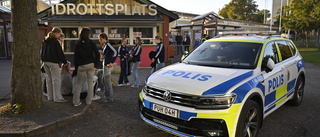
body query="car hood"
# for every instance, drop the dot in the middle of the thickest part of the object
(197, 80)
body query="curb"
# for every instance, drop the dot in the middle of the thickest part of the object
(49, 126)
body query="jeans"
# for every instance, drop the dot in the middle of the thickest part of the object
(158, 66)
(107, 83)
(99, 74)
(124, 72)
(85, 73)
(135, 73)
(53, 81)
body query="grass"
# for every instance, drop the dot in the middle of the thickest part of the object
(311, 55)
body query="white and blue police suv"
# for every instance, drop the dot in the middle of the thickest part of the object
(225, 87)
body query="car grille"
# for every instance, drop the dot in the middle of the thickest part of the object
(184, 100)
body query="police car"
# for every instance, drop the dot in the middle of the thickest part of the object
(225, 87)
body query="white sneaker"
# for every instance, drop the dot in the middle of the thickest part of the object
(120, 85)
(127, 84)
(134, 86)
(99, 89)
(96, 97)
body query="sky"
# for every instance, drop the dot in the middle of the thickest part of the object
(203, 6)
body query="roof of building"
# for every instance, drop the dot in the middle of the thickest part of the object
(4, 9)
(209, 16)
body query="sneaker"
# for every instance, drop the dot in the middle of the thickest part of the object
(127, 84)
(106, 100)
(134, 86)
(99, 89)
(61, 101)
(120, 85)
(96, 97)
(77, 104)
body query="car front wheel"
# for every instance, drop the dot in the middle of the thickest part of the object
(249, 120)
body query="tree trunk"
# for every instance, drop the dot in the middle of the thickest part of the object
(318, 41)
(25, 78)
(307, 39)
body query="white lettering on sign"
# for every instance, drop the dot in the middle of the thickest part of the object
(110, 9)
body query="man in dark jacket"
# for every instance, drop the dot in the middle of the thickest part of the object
(187, 42)
(179, 42)
(109, 55)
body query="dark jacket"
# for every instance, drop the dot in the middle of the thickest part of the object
(109, 53)
(86, 52)
(160, 53)
(52, 51)
(187, 40)
(122, 51)
(179, 39)
(136, 52)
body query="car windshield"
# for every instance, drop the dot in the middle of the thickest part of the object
(242, 55)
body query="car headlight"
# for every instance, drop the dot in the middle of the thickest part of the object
(216, 102)
(145, 89)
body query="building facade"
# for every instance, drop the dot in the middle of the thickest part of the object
(118, 19)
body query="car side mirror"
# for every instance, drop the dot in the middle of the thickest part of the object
(268, 64)
(184, 55)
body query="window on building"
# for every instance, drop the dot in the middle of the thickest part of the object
(146, 34)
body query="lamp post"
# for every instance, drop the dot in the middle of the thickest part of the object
(280, 16)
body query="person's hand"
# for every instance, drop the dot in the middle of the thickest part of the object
(125, 57)
(153, 60)
(65, 64)
(110, 65)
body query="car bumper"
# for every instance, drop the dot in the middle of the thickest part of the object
(182, 127)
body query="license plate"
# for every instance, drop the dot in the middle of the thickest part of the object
(165, 110)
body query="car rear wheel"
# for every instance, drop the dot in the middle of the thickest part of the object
(298, 93)
(249, 120)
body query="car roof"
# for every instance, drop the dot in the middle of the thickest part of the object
(258, 39)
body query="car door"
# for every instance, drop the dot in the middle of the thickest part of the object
(288, 62)
(273, 80)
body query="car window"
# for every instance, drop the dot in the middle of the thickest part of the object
(285, 50)
(225, 54)
(271, 51)
(292, 47)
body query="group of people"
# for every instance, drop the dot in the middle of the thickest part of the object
(87, 59)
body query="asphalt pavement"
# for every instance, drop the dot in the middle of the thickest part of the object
(121, 118)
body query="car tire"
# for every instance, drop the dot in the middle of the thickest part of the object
(298, 93)
(249, 120)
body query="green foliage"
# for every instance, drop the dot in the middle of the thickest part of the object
(302, 16)
(311, 56)
(240, 10)
(259, 17)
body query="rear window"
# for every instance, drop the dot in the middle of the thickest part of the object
(226, 54)
(285, 49)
